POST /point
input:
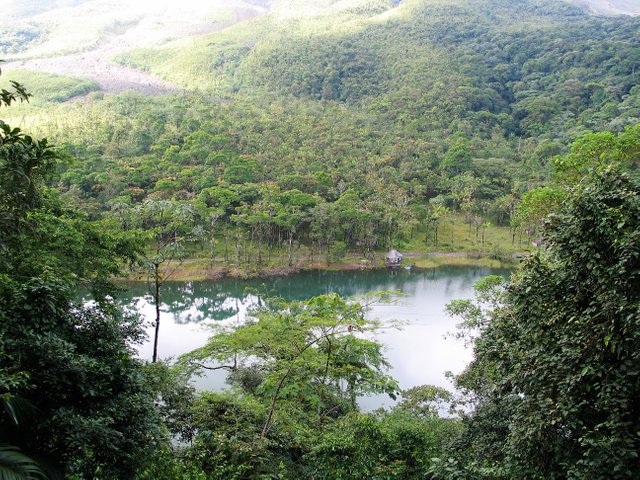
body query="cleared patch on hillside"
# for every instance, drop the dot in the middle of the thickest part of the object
(82, 40)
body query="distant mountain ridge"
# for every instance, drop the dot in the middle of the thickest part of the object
(43, 28)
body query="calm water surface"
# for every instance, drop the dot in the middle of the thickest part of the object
(419, 353)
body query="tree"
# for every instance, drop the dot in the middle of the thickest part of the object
(435, 214)
(556, 374)
(535, 206)
(74, 396)
(40, 231)
(306, 353)
(240, 170)
(167, 226)
(597, 151)
(293, 215)
(92, 408)
(381, 445)
(18, 93)
(14, 464)
(457, 160)
(215, 204)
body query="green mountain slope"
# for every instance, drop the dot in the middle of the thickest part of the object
(535, 61)
(381, 106)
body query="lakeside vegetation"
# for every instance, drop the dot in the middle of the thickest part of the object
(317, 138)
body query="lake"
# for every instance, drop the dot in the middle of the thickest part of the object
(419, 353)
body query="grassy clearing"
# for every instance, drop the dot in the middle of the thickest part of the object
(456, 236)
(47, 88)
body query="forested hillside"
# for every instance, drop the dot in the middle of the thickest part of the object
(406, 118)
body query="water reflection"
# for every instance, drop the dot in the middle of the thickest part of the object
(418, 353)
(195, 302)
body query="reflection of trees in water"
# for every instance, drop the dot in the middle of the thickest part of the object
(353, 283)
(194, 302)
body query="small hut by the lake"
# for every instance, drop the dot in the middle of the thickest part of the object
(393, 259)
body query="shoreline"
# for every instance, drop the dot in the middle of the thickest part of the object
(192, 270)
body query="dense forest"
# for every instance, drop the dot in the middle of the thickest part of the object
(300, 136)
(424, 124)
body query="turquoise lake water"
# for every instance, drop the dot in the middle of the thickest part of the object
(419, 353)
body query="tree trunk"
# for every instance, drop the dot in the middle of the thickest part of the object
(272, 407)
(213, 250)
(237, 248)
(289, 256)
(324, 381)
(156, 298)
(226, 245)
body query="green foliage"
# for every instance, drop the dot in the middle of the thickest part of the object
(307, 354)
(424, 401)
(25, 163)
(357, 125)
(401, 105)
(74, 396)
(457, 159)
(41, 232)
(556, 371)
(17, 93)
(228, 442)
(14, 465)
(535, 205)
(93, 410)
(167, 226)
(240, 170)
(298, 368)
(337, 252)
(597, 151)
(395, 445)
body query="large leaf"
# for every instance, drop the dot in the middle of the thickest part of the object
(15, 465)
(17, 409)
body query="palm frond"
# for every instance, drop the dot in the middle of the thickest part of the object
(15, 465)
(18, 409)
